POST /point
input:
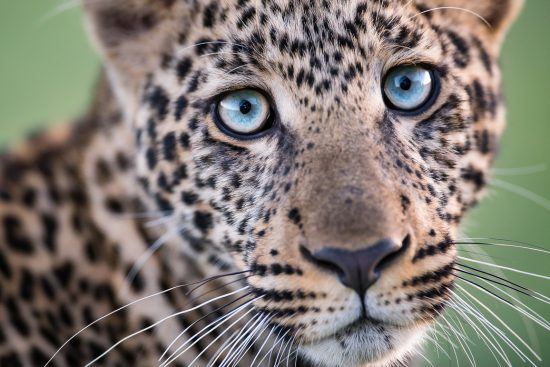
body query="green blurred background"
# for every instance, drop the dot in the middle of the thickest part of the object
(47, 71)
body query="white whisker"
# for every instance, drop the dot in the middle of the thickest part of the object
(241, 352)
(454, 8)
(140, 262)
(219, 336)
(161, 321)
(109, 314)
(523, 192)
(504, 268)
(503, 324)
(194, 338)
(520, 171)
(493, 347)
(206, 331)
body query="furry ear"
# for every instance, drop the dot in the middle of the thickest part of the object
(131, 35)
(494, 15)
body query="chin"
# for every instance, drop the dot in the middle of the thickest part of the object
(365, 344)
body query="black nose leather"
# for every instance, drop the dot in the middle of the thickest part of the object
(357, 269)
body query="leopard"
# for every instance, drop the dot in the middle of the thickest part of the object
(256, 182)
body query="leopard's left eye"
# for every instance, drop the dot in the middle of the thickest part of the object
(409, 88)
(244, 112)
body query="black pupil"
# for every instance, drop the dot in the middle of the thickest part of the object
(405, 83)
(245, 106)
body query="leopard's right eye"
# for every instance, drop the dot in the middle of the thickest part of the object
(410, 88)
(244, 113)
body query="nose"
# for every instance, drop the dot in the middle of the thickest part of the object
(357, 269)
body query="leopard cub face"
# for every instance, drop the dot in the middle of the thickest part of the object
(330, 148)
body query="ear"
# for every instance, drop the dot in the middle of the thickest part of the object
(132, 35)
(495, 16)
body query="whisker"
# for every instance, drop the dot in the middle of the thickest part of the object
(231, 342)
(480, 254)
(505, 268)
(520, 171)
(219, 336)
(281, 353)
(239, 354)
(159, 322)
(159, 221)
(500, 320)
(460, 338)
(464, 337)
(140, 262)
(534, 294)
(277, 341)
(206, 331)
(536, 249)
(197, 321)
(490, 345)
(449, 339)
(263, 345)
(533, 313)
(225, 285)
(477, 276)
(454, 8)
(222, 348)
(203, 281)
(237, 68)
(290, 351)
(523, 192)
(435, 340)
(60, 9)
(490, 327)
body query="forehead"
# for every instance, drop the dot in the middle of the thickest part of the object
(313, 42)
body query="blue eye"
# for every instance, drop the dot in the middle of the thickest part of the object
(408, 88)
(244, 112)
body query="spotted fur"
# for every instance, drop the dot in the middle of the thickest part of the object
(339, 168)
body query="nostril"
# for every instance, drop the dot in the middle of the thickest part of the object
(386, 261)
(321, 262)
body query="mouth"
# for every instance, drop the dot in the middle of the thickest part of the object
(363, 342)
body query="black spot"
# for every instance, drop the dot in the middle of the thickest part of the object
(294, 216)
(15, 317)
(26, 285)
(169, 146)
(64, 273)
(181, 105)
(405, 203)
(5, 267)
(183, 68)
(203, 221)
(114, 205)
(151, 157)
(477, 177)
(158, 100)
(10, 360)
(29, 197)
(189, 197)
(38, 357)
(15, 236)
(209, 15)
(50, 226)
